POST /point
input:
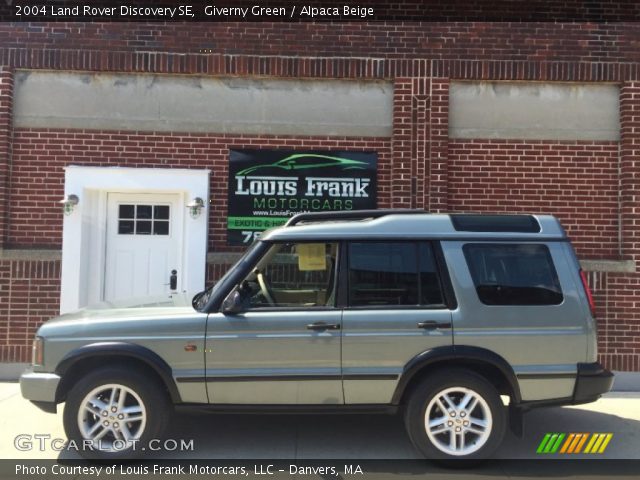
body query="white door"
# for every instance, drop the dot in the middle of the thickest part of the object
(144, 237)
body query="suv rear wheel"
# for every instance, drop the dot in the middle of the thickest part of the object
(455, 414)
(115, 413)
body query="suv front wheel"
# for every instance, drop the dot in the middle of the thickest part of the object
(113, 413)
(455, 414)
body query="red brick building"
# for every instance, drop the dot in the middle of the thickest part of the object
(474, 121)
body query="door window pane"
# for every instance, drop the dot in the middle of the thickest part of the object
(143, 227)
(143, 211)
(143, 219)
(126, 211)
(293, 275)
(161, 212)
(125, 227)
(160, 228)
(508, 274)
(383, 274)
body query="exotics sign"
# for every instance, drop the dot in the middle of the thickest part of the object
(266, 187)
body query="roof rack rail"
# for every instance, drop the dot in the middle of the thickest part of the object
(349, 215)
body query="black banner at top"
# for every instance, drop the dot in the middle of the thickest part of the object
(319, 10)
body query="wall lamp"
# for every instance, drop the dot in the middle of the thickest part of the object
(195, 207)
(69, 203)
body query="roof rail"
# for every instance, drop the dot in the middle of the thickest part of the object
(349, 215)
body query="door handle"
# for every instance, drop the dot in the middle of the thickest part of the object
(173, 280)
(432, 325)
(323, 326)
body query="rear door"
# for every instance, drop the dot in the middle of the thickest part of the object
(395, 309)
(521, 301)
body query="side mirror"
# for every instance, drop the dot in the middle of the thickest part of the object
(233, 303)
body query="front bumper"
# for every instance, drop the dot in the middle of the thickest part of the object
(592, 381)
(40, 388)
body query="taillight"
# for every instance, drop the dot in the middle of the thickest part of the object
(587, 291)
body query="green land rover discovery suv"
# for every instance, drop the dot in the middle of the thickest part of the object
(461, 323)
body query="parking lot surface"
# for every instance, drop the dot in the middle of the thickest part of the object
(356, 438)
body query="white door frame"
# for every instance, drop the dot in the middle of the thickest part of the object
(84, 230)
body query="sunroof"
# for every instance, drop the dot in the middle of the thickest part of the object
(495, 223)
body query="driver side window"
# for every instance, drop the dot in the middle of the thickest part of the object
(293, 275)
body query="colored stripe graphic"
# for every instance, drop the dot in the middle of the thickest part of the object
(567, 442)
(599, 443)
(591, 443)
(607, 439)
(543, 443)
(583, 439)
(572, 443)
(550, 443)
(556, 445)
(576, 439)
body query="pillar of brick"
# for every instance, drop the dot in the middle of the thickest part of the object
(630, 169)
(401, 143)
(438, 146)
(410, 143)
(6, 103)
(622, 350)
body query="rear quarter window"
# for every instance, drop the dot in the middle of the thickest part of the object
(513, 274)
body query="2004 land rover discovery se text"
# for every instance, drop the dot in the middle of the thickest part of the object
(459, 322)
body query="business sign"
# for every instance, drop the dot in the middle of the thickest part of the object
(266, 187)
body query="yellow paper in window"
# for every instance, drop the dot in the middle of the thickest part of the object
(311, 256)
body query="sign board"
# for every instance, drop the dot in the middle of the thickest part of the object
(266, 187)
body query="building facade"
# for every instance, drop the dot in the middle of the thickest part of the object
(470, 116)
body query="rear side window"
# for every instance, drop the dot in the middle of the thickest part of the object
(513, 274)
(394, 273)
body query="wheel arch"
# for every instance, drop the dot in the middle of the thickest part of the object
(82, 360)
(480, 360)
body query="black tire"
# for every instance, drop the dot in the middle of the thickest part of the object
(157, 406)
(422, 396)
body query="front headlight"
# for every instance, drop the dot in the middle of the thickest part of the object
(38, 352)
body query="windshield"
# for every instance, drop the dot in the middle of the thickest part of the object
(201, 299)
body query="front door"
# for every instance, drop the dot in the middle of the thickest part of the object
(144, 236)
(284, 348)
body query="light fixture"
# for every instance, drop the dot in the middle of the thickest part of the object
(69, 203)
(195, 207)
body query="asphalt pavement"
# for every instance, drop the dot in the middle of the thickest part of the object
(28, 433)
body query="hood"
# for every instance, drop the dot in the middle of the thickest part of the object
(129, 308)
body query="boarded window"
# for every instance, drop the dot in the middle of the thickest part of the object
(534, 110)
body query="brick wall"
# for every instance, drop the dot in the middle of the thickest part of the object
(29, 295)
(577, 181)
(545, 41)
(621, 321)
(592, 186)
(39, 157)
(6, 105)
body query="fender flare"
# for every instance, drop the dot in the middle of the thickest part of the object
(122, 350)
(463, 353)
